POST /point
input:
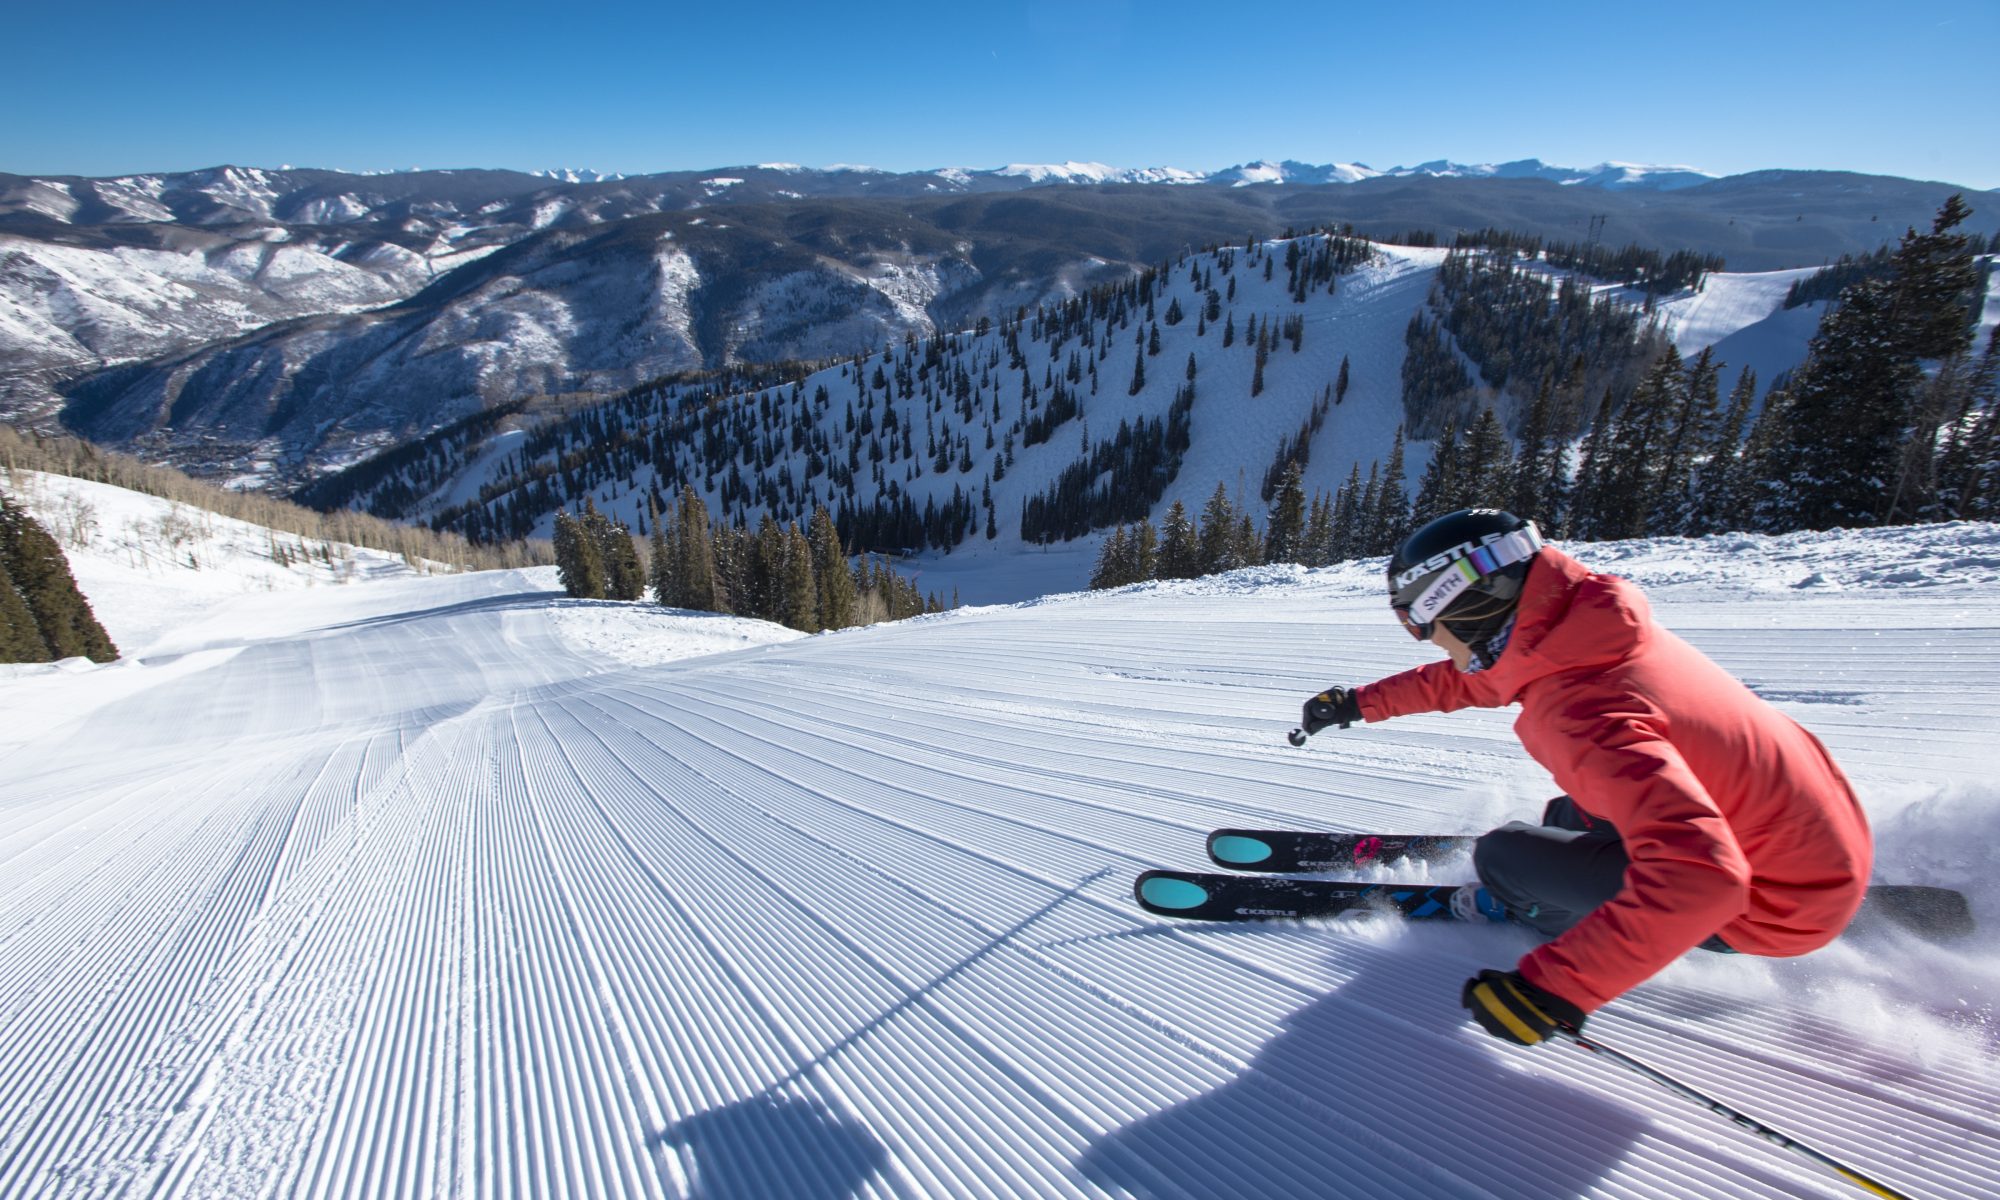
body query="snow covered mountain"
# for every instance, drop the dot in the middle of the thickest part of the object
(410, 888)
(298, 319)
(965, 443)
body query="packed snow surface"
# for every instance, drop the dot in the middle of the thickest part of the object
(415, 887)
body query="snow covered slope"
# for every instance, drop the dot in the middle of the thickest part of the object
(398, 892)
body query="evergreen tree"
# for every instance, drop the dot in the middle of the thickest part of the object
(1726, 493)
(20, 637)
(1218, 533)
(1689, 435)
(1586, 517)
(1350, 533)
(659, 560)
(1853, 405)
(766, 599)
(623, 577)
(1284, 536)
(1440, 485)
(1247, 548)
(1969, 460)
(1113, 561)
(39, 574)
(1529, 496)
(1765, 452)
(1180, 546)
(1318, 549)
(1486, 466)
(1389, 523)
(579, 564)
(801, 591)
(1138, 373)
(694, 574)
(1638, 442)
(837, 601)
(1145, 551)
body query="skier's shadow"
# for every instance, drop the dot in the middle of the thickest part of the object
(1375, 1090)
(771, 1146)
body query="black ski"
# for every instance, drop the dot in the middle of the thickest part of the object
(1280, 851)
(1206, 897)
(1932, 913)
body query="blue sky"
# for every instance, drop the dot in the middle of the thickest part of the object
(121, 88)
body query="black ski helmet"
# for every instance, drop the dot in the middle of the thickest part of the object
(1465, 569)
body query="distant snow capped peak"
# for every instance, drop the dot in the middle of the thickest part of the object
(1604, 175)
(1291, 171)
(572, 175)
(1629, 175)
(1069, 172)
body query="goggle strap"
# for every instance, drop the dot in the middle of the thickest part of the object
(1465, 571)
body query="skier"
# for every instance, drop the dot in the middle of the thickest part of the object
(1695, 815)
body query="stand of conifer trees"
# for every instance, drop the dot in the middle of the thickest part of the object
(43, 615)
(796, 577)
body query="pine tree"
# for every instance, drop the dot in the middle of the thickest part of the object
(1340, 385)
(1246, 548)
(579, 564)
(1389, 523)
(1284, 537)
(1318, 549)
(1726, 494)
(1638, 442)
(1113, 559)
(20, 637)
(1145, 552)
(837, 600)
(1180, 546)
(1486, 466)
(1528, 495)
(1218, 533)
(1138, 373)
(659, 560)
(1969, 461)
(1688, 435)
(1440, 486)
(694, 574)
(39, 573)
(1586, 518)
(1350, 534)
(1853, 405)
(623, 577)
(766, 593)
(801, 591)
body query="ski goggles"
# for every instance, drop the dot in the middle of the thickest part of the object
(1502, 550)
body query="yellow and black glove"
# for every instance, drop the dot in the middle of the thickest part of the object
(1334, 706)
(1508, 1006)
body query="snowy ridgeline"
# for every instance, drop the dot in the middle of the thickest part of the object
(437, 885)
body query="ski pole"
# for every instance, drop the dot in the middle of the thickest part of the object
(1748, 1123)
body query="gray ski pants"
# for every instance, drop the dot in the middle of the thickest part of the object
(1552, 875)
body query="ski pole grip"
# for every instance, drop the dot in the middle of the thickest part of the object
(1296, 737)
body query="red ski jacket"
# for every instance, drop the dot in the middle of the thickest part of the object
(1736, 820)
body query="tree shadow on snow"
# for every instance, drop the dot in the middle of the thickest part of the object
(769, 1146)
(1375, 1090)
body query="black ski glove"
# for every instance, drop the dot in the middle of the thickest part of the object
(1334, 706)
(1508, 1006)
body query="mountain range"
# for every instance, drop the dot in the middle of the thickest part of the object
(268, 326)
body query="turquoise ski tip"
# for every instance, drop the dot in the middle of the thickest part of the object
(1243, 850)
(1161, 892)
